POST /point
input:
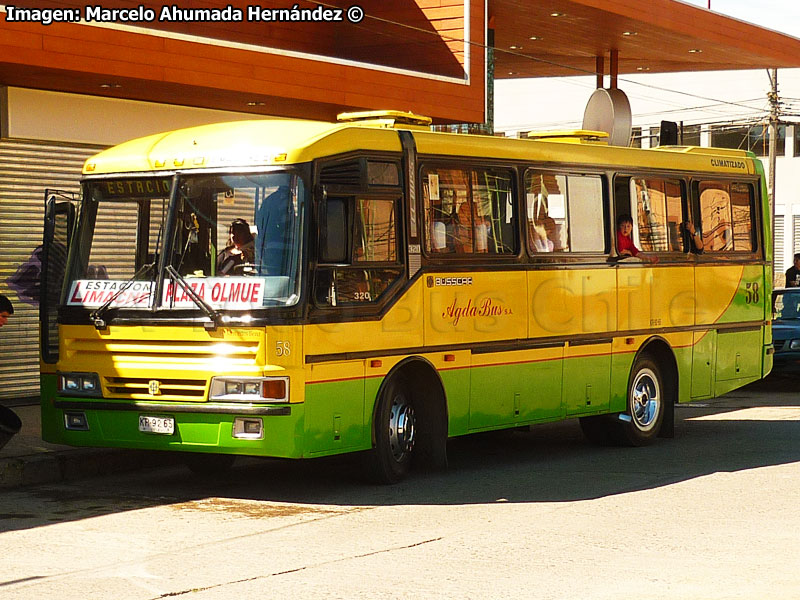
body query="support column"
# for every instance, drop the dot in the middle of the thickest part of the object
(600, 66)
(705, 136)
(489, 125)
(646, 138)
(614, 68)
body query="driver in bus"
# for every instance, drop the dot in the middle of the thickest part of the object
(240, 251)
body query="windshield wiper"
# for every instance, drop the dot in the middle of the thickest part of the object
(213, 315)
(97, 314)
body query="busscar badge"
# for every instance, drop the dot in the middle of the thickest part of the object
(155, 387)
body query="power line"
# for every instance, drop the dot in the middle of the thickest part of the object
(730, 118)
(481, 46)
(545, 61)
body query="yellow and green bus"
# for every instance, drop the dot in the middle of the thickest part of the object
(299, 289)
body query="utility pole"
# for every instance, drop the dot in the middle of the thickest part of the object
(774, 117)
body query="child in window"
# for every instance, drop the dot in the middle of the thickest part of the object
(625, 245)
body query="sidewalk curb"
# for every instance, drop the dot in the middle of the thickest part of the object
(80, 463)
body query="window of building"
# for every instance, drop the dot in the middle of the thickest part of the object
(468, 211)
(655, 136)
(564, 212)
(636, 137)
(754, 138)
(690, 135)
(726, 212)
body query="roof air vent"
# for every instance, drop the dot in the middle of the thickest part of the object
(385, 118)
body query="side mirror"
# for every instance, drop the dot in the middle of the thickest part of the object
(334, 246)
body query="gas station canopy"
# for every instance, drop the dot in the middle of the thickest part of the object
(424, 56)
(564, 37)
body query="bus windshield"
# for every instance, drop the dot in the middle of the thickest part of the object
(235, 239)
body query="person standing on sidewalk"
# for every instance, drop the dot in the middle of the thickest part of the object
(6, 309)
(793, 273)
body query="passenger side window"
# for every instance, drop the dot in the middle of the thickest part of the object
(371, 263)
(375, 235)
(468, 211)
(657, 206)
(726, 213)
(742, 213)
(564, 212)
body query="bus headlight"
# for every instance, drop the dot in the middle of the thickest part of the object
(250, 389)
(794, 345)
(79, 384)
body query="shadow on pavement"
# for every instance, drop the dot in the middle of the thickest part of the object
(754, 427)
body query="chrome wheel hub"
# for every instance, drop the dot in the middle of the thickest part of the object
(402, 428)
(645, 400)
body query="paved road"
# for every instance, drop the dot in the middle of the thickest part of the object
(714, 513)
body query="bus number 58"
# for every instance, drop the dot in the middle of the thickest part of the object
(751, 295)
(282, 348)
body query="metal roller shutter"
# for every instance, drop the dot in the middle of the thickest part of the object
(26, 169)
(115, 229)
(795, 234)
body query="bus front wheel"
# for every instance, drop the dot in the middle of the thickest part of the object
(395, 431)
(647, 395)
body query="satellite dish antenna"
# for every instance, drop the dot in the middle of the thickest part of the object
(609, 111)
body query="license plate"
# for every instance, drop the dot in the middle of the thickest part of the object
(163, 425)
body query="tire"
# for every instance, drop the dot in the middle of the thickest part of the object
(208, 465)
(647, 394)
(395, 432)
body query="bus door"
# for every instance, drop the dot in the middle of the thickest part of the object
(360, 306)
(475, 300)
(59, 221)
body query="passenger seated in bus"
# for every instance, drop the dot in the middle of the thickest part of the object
(538, 238)
(239, 252)
(481, 234)
(545, 233)
(625, 245)
(464, 229)
(439, 237)
(554, 232)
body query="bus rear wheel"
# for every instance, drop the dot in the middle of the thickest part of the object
(395, 431)
(647, 395)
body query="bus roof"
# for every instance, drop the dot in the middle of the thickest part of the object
(288, 141)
